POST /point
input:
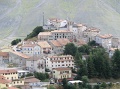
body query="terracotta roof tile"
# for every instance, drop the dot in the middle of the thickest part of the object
(12, 88)
(105, 36)
(20, 54)
(61, 31)
(8, 71)
(45, 33)
(31, 79)
(56, 43)
(4, 54)
(62, 69)
(44, 44)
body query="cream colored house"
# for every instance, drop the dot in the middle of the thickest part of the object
(54, 35)
(45, 47)
(11, 77)
(31, 49)
(17, 82)
(9, 74)
(45, 36)
(59, 61)
(4, 83)
(60, 73)
(104, 40)
(90, 33)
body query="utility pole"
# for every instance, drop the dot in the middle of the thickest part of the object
(43, 18)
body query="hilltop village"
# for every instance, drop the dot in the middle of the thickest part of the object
(52, 56)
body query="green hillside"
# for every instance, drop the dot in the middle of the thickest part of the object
(19, 17)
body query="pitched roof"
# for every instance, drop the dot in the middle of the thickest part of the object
(61, 31)
(35, 58)
(31, 79)
(8, 71)
(62, 69)
(56, 43)
(29, 45)
(45, 33)
(4, 81)
(60, 42)
(20, 54)
(12, 88)
(63, 41)
(4, 54)
(92, 29)
(61, 56)
(44, 44)
(105, 36)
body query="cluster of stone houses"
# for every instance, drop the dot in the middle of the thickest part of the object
(46, 52)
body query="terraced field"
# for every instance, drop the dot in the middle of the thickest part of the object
(19, 17)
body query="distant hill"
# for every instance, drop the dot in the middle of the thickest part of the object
(19, 17)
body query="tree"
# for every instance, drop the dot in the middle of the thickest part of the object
(82, 71)
(70, 49)
(16, 41)
(101, 63)
(85, 81)
(29, 74)
(78, 59)
(85, 49)
(116, 64)
(90, 67)
(35, 32)
(40, 76)
(104, 85)
(92, 43)
(64, 82)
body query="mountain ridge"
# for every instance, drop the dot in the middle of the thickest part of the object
(19, 17)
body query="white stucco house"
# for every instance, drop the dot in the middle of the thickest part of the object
(104, 40)
(59, 61)
(35, 63)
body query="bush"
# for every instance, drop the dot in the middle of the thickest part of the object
(35, 32)
(14, 42)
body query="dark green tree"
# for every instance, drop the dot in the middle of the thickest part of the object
(90, 67)
(29, 74)
(35, 32)
(64, 82)
(85, 49)
(70, 49)
(82, 70)
(85, 81)
(16, 41)
(40, 76)
(116, 64)
(78, 59)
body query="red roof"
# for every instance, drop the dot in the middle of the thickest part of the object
(8, 71)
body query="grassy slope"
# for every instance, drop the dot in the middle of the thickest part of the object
(28, 14)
